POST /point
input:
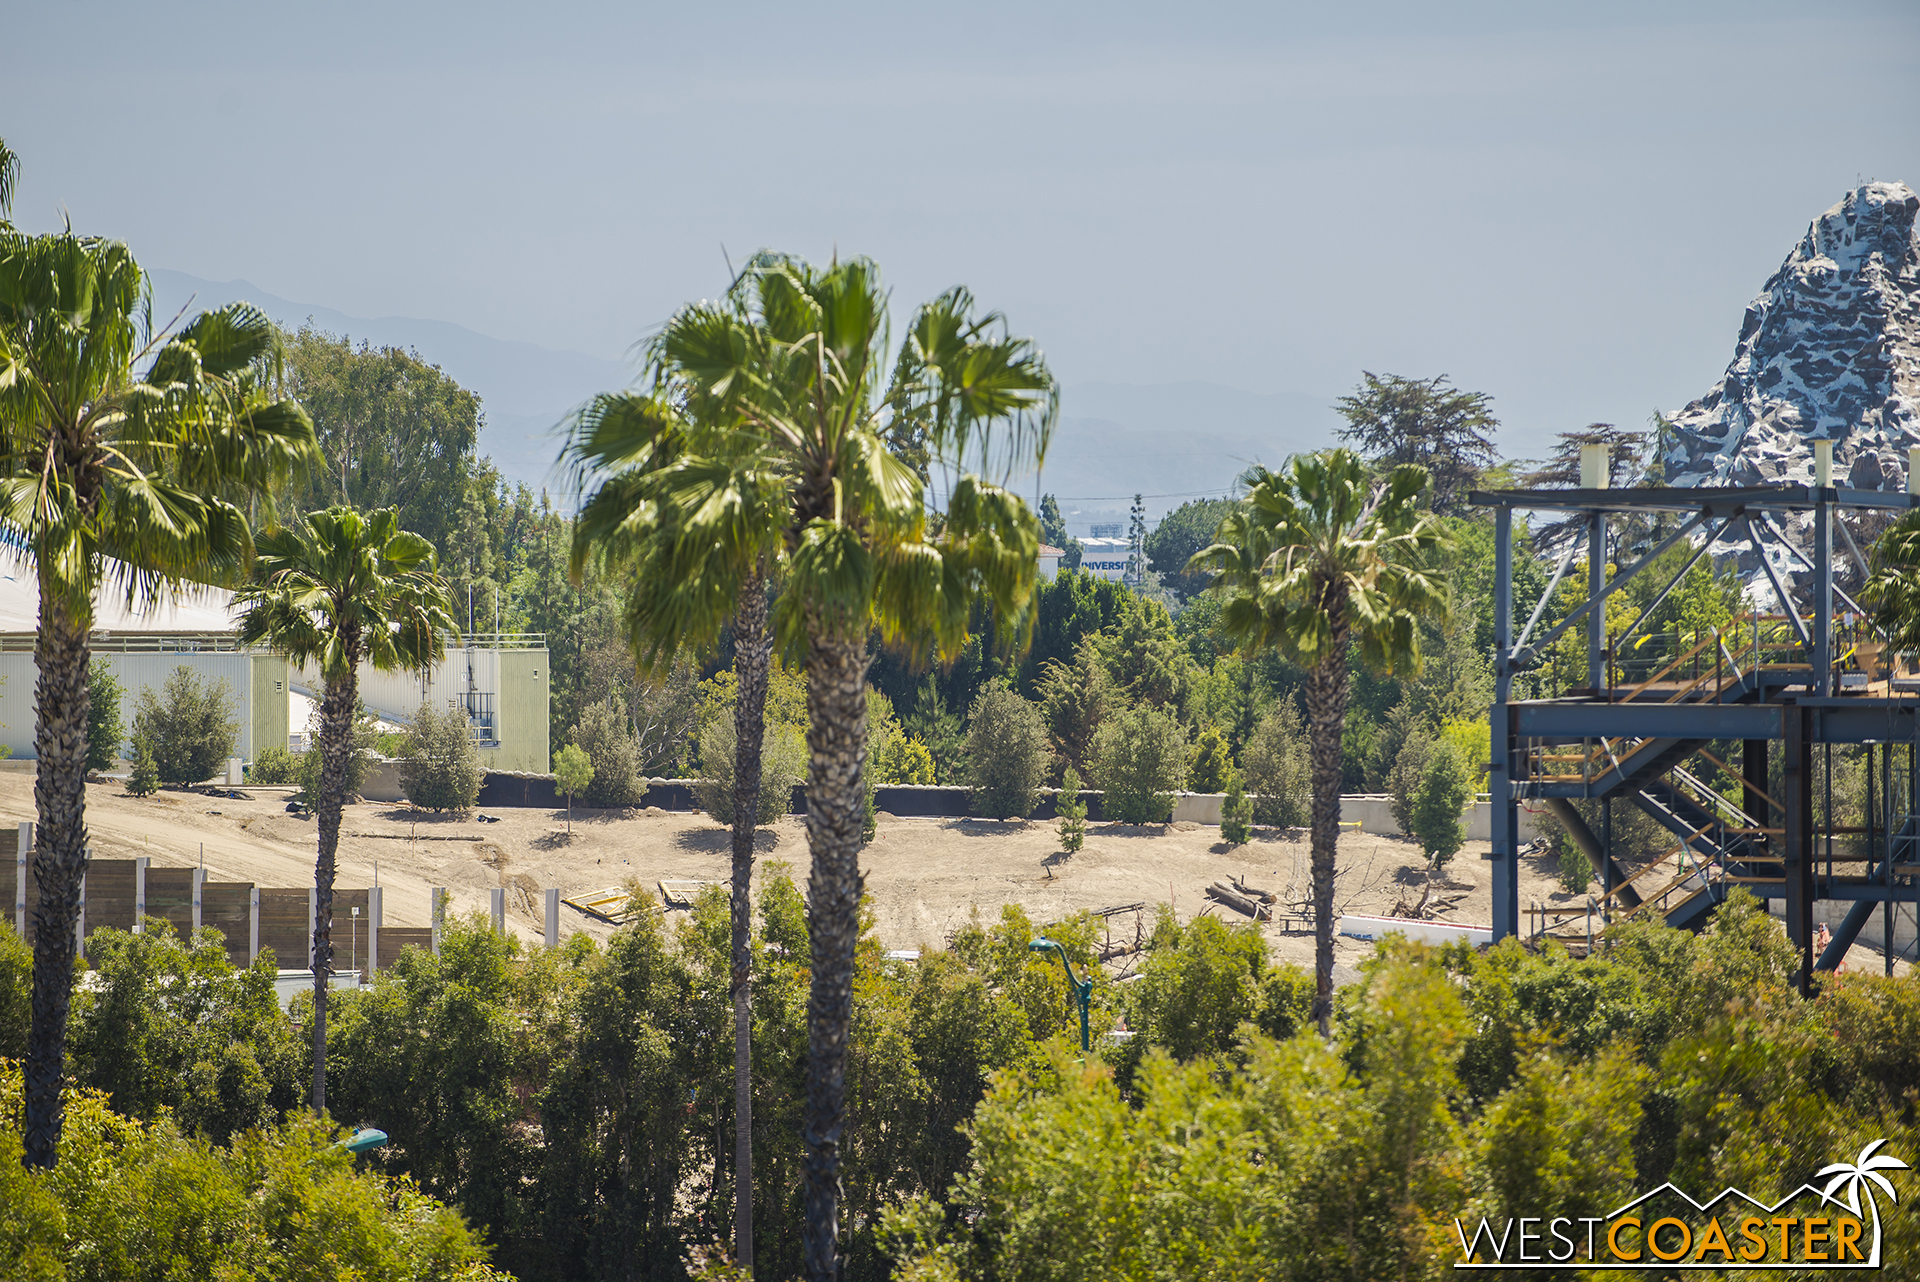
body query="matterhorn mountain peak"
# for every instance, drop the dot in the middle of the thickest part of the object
(1830, 350)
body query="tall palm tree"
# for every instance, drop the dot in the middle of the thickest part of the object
(117, 479)
(339, 589)
(793, 367)
(690, 507)
(1317, 559)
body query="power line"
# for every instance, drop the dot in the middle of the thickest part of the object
(1128, 498)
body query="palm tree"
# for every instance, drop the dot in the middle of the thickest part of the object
(809, 440)
(110, 477)
(9, 174)
(339, 589)
(690, 508)
(1318, 558)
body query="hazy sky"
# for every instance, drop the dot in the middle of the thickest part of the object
(1568, 206)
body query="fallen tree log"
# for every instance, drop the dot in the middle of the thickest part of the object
(1234, 899)
(1253, 892)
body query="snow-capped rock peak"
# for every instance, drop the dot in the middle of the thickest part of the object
(1829, 350)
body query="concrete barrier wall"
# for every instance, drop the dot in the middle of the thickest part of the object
(1372, 812)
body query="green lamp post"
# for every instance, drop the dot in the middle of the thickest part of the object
(1082, 988)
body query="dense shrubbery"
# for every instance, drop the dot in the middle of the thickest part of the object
(441, 769)
(274, 764)
(189, 726)
(575, 1103)
(783, 764)
(604, 734)
(1456, 1085)
(1140, 761)
(1006, 754)
(147, 1199)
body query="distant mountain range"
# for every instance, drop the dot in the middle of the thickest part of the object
(526, 389)
(1166, 440)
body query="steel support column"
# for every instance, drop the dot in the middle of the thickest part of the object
(1798, 787)
(1506, 817)
(1823, 594)
(1596, 584)
(1753, 786)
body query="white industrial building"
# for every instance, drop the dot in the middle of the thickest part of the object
(501, 681)
(1105, 558)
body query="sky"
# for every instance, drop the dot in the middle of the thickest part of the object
(1565, 206)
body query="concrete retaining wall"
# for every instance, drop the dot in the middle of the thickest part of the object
(910, 801)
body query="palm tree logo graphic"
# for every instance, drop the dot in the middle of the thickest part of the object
(1859, 1175)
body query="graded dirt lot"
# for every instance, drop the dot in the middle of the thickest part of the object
(924, 877)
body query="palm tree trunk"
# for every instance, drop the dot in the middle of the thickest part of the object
(336, 747)
(59, 862)
(837, 751)
(1327, 717)
(751, 648)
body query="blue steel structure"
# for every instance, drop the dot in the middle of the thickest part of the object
(1632, 742)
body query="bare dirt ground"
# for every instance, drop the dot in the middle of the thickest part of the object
(924, 876)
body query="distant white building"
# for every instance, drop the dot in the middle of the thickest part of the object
(1105, 558)
(499, 681)
(1049, 562)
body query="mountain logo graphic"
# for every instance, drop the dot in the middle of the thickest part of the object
(1835, 1226)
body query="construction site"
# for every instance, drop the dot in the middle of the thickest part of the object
(1736, 742)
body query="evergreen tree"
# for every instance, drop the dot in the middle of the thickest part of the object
(104, 727)
(1236, 813)
(1053, 532)
(1443, 793)
(145, 780)
(1073, 813)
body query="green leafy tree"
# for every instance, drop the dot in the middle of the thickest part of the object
(1181, 533)
(1423, 422)
(126, 462)
(1147, 660)
(1053, 532)
(1892, 590)
(1073, 813)
(336, 590)
(782, 763)
(573, 771)
(1321, 560)
(396, 432)
(189, 726)
(274, 764)
(1199, 983)
(606, 736)
(169, 1024)
(1236, 813)
(904, 760)
(1443, 793)
(1409, 769)
(793, 360)
(440, 768)
(1210, 761)
(104, 727)
(310, 766)
(16, 992)
(154, 1199)
(1007, 752)
(144, 781)
(1075, 701)
(1142, 762)
(1278, 769)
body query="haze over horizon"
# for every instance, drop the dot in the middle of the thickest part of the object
(1564, 208)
